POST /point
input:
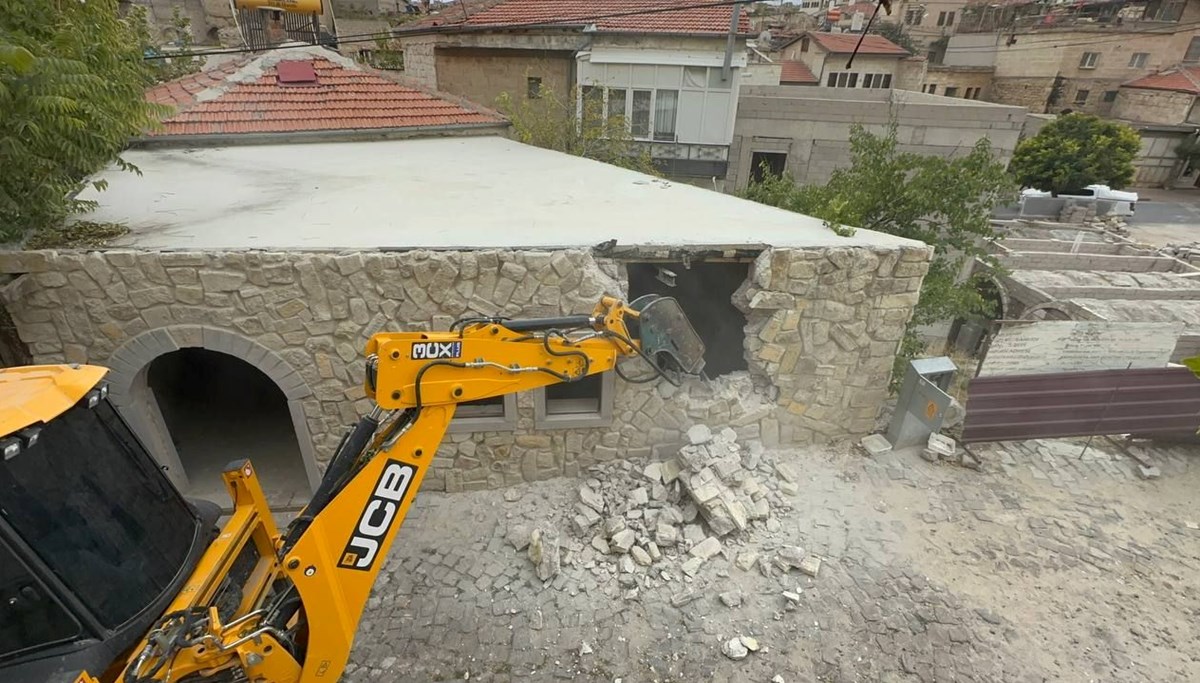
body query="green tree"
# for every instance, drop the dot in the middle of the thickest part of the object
(1074, 151)
(575, 125)
(946, 203)
(178, 40)
(72, 80)
(895, 32)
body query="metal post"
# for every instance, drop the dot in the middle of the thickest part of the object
(732, 41)
(863, 35)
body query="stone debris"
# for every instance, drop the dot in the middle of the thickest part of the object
(640, 556)
(1149, 472)
(941, 447)
(777, 679)
(681, 599)
(544, 553)
(875, 444)
(751, 644)
(734, 649)
(623, 540)
(634, 526)
(585, 649)
(792, 598)
(811, 565)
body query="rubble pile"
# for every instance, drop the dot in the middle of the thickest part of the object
(1189, 253)
(645, 524)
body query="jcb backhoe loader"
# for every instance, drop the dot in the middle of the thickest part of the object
(107, 574)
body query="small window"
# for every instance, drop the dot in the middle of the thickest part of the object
(913, 15)
(1110, 95)
(694, 76)
(951, 91)
(945, 19)
(1193, 51)
(803, 42)
(666, 110)
(765, 164)
(887, 80)
(877, 80)
(639, 122)
(1138, 60)
(533, 87)
(29, 616)
(1081, 96)
(931, 88)
(616, 102)
(1194, 113)
(498, 414)
(585, 403)
(832, 81)
(1089, 60)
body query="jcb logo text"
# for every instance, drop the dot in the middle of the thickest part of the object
(378, 516)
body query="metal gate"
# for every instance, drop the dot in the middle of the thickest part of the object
(304, 28)
(1152, 402)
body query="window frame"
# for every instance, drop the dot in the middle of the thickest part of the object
(1110, 96)
(1135, 63)
(543, 419)
(471, 424)
(913, 16)
(533, 87)
(945, 19)
(951, 91)
(9, 550)
(1086, 63)
(1086, 93)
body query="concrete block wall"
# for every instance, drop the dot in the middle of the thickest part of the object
(481, 75)
(1032, 260)
(823, 326)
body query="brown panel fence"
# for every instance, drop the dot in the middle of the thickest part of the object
(1150, 402)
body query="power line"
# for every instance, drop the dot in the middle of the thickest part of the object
(465, 28)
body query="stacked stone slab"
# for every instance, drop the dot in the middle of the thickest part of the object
(823, 326)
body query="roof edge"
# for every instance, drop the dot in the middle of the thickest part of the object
(317, 136)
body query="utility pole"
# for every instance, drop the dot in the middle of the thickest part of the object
(732, 41)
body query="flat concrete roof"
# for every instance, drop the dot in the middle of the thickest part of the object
(1126, 310)
(438, 193)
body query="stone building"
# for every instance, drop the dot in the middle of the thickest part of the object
(270, 265)
(805, 131)
(663, 71)
(1075, 60)
(879, 64)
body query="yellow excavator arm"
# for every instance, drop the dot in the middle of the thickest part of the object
(303, 590)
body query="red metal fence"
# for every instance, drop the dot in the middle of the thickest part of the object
(1155, 401)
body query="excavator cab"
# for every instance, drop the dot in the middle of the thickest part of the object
(94, 539)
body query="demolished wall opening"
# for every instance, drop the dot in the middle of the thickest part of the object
(219, 408)
(705, 292)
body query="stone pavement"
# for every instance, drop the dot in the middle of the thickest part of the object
(1041, 568)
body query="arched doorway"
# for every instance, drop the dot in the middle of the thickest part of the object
(200, 397)
(219, 408)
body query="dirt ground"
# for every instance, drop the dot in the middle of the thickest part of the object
(1050, 565)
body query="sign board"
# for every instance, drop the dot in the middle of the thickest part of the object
(1076, 346)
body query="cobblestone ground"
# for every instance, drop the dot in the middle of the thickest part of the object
(1044, 566)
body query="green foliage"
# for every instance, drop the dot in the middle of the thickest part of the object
(72, 80)
(575, 125)
(895, 32)
(178, 35)
(385, 56)
(946, 203)
(1189, 150)
(76, 235)
(1074, 151)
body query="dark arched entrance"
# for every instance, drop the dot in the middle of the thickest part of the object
(219, 408)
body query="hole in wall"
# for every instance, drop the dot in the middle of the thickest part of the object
(705, 293)
(219, 408)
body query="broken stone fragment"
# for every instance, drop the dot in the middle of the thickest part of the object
(726, 468)
(811, 565)
(653, 472)
(623, 540)
(518, 536)
(658, 492)
(589, 497)
(670, 514)
(750, 643)
(587, 513)
(666, 535)
(788, 488)
(693, 534)
(790, 557)
(731, 598)
(693, 458)
(706, 548)
(626, 564)
(699, 434)
(746, 560)
(585, 649)
(613, 525)
(786, 472)
(727, 434)
(692, 566)
(875, 444)
(681, 599)
(688, 513)
(791, 597)
(640, 556)
(734, 649)
(653, 551)
(600, 544)
(669, 470)
(581, 524)
(761, 509)
(639, 496)
(544, 553)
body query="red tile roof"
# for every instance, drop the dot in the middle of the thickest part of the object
(843, 43)
(613, 16)
(1180, 78)
(246, 97)
(796, 73)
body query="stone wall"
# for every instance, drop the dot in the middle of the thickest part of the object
(822, 329)
(483, 75)
(1153, 106)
